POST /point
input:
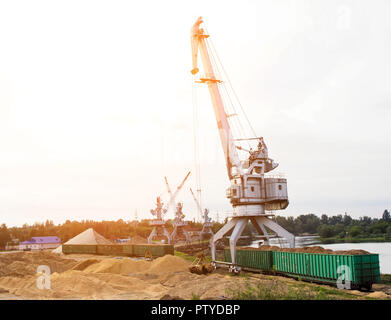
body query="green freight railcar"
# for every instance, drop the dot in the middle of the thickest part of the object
(156, 250)
(110, 249)
(327, 268)
(78, 248)
(251, 259)
(127, 250)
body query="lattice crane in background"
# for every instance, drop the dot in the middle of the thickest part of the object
(250, 192)
(179, 222)
(208, 224)
(158, 223)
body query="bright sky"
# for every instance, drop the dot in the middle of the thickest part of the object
(96, 104)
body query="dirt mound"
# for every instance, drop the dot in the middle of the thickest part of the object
(351, 252)
(74, 284)
(124, 266)
(169, 263)
(85, 263)
(58, 250)
(379, 295)
(89, 236)
(313, 249)
(19, 264)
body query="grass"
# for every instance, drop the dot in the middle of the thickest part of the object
(386, 279)
(184, 256)
(278, 290)
(195, 296)
(190, 257)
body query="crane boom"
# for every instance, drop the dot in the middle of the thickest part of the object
(173, 195)
(168, 186)
(198, 43)
(197, 202)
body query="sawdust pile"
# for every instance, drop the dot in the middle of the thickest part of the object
(124, 278)
(314, 249)
(89, 236)
(92, 278)
(20, 264)
(126, 266)
(79, 285)
(84, 264)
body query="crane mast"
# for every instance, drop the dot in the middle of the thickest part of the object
(250, 192)
(199, 44)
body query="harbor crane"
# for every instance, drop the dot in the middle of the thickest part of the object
(179, 222)
(250, 191)
(208, 224)
(161, 209)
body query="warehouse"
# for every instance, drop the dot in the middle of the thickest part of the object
(40, 243)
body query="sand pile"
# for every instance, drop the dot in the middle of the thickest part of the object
(314, 249)
(84, 264)
(124, 266)
(90, 236)
(79, 285)
(169, 263)
(19, 264)
(127, 266)
(58, 250)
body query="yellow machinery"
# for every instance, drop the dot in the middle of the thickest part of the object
(200, 266)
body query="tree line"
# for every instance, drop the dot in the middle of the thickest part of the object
(334, 228)
(340, 226)
(111, 230)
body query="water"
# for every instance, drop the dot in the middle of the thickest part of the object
(382, 248)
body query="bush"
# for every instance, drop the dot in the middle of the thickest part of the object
(326, 231)
(355, 231)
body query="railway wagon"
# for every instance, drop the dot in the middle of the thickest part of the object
(156, 250)
(79, 248)
(363, 269)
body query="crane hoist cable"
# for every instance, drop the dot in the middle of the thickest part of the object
(237, 125)
(197, 164)
(229, 106)
(230, 84)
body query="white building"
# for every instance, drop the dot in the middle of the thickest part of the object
(40, 243)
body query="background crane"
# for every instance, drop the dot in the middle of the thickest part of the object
(161, 209)
(207, 224)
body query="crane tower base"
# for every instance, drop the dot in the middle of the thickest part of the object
(178, 231)
(238, 224)
(159, 231)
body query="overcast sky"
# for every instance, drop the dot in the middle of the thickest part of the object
(96, 104)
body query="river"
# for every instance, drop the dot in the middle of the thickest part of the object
(382, 248)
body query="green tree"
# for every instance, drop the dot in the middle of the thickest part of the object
(325, 231)
(4, 235)
(355, 231)
(386, 215)
(324, 219)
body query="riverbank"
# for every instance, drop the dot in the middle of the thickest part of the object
(335, 240)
